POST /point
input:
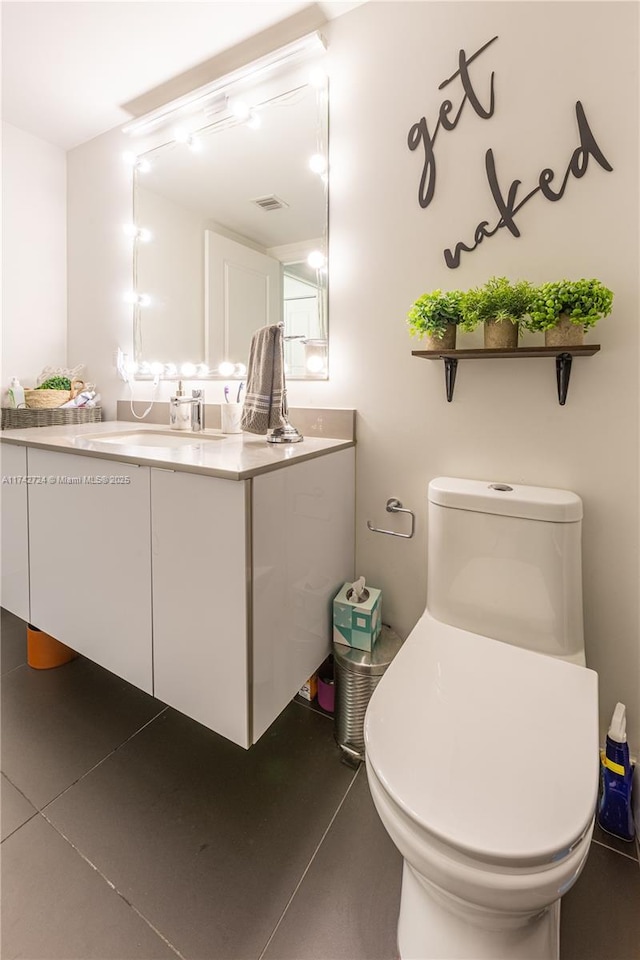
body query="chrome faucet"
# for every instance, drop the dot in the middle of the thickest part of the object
(197, 410)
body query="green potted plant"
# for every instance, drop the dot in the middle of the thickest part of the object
(500, 305)
(434, 317)
(564, 309)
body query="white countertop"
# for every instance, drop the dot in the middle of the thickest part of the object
(231, 456)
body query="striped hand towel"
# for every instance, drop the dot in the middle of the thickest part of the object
(263, 402)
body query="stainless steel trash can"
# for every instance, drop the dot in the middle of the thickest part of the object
(357, 674)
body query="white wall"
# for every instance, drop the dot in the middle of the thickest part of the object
(34, 281)
(504, 422)
(386, 61)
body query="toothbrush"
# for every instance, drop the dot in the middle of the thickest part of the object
(226, 394)
(239, 392)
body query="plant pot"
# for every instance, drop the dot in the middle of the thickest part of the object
(446, 342)
(564, 334)
(500, 335)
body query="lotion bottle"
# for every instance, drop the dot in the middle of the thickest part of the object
(16, 393)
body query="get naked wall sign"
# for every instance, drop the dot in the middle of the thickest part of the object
(508, 203)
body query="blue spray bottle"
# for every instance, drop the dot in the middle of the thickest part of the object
(615, 814)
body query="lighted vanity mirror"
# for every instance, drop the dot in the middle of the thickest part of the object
(232, 232)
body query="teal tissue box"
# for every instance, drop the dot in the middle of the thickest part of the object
(357, 624)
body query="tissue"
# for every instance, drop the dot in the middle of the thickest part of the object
(357, 615)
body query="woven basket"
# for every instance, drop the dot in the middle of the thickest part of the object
(46, 399)
(19, 419)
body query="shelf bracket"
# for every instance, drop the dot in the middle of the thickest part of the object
(450, 369)
(563, 374)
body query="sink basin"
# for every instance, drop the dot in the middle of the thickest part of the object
(154, 438)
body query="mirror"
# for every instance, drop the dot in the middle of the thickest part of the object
(231, 221)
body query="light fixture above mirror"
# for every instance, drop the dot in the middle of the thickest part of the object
(229, 229)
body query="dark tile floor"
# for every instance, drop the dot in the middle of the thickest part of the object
(129, 831)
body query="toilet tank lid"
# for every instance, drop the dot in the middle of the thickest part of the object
(506, 499)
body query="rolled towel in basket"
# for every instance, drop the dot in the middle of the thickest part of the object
(263, 402)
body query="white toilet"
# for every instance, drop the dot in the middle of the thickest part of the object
(482, 736)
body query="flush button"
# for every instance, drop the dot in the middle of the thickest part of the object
(500, 486)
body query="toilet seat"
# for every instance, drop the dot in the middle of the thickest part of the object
(487, 747)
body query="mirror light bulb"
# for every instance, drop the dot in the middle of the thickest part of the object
(318, 163)
(156, 368)
(241, 110)
(316, 259)
(315, 364)
(181, 135)
(226, 368)
(254, 121)
(141, 299)
(138, 163)
(203, 369)
(240, 369)
(188, 369)
(137, 233)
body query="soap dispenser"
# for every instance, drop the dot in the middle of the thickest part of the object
(179, 410)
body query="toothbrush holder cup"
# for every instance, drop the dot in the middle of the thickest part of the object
(230, 417)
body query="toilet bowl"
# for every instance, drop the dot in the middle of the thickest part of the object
(485, 778)
(482, 761)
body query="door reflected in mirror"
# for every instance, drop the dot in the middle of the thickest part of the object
(232, 234)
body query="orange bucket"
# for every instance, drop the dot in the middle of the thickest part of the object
(44, 652)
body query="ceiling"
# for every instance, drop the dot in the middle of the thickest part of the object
(68, 66)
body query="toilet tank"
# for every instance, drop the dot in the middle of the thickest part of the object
(504, 561)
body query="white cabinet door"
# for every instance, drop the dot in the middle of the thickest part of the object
(303, 551)
(90, 559)
(15, 531)
(200, 599)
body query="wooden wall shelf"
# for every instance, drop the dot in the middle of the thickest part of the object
(563, 355)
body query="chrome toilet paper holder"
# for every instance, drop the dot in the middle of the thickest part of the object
(395, 506)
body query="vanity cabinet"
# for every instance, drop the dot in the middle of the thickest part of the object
(90, 561)
(212, 594)
(15, 526)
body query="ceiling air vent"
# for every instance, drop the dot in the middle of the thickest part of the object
(270, 203)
